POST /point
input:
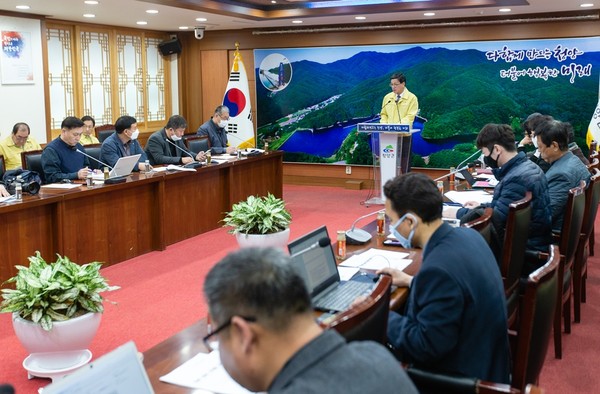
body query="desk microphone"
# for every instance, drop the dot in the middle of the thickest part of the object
(93, 158)
(357, 236)
(181, 149)
(237, 138)
(478, 152)
(321, 243)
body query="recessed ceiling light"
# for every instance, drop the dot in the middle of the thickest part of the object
(141, 23)
(89, 15)
(273, 2)
(429, 14)
(297, 22)
(151, 11)
(505, 10)
(183, 27)
(22, 7)
(585, 5)
(201, 19)
(360, 18)
(91, 2)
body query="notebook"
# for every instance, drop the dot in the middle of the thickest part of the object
(119, 372)
(318, 268)
(122, 167)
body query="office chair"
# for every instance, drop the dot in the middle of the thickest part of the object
(2, 167)
(197, 143)
(104, 131)
(94, 151)
(483, 225)
(32, 161)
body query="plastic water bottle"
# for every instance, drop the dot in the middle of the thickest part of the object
(19, 189)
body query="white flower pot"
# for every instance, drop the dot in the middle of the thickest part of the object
(277, 240)
(72, 334)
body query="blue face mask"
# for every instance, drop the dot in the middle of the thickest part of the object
(405, 242)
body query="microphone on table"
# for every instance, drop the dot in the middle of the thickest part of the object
(93, 158)
(180, 148)
(321, 243)
(463, 165)
(357, 236)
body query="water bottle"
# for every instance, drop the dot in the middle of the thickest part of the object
(19, 189)
(147, 166)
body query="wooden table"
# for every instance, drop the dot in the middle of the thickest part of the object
(113, 223)
(181, 347)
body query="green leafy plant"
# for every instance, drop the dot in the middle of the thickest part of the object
(48, 292)
(258, 215)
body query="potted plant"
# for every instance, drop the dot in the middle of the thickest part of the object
(259, 221)
(50, 298)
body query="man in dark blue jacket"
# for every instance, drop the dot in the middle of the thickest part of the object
(455, 318)
(516, 175)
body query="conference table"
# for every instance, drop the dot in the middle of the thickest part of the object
(181, 347)
(148, 212)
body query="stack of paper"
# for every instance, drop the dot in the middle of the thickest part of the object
(376, 259)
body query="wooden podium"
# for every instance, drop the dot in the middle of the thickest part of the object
(394, 142)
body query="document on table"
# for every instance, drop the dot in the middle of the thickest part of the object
(8, 199)
(375, 259)
(461, 197)
(64, 186)
(204, 372)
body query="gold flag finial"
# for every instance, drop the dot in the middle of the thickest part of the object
(236, 57)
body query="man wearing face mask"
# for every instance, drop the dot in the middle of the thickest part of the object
(516, 175)
(529, 125)
(123, 142)
(216, 130)
(166, 146)
(455, 316)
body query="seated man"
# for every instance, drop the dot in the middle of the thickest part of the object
(60, 159)
(123, 142)
(88, 137)
(269, 339)
(529, 140)
(19, 141)
(516, 175)
(566, 170)
(455, 321)
(216, 130)
(165, 146)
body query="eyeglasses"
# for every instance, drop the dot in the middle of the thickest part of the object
(223, 117)
(213, 345)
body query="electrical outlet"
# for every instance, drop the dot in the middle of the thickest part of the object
(348, 170)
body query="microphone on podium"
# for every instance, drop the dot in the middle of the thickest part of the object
(321, 243)
(357, 236)
(93, 158)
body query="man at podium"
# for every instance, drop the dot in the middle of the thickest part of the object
(400, 106)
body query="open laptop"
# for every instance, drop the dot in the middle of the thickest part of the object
(477, 182)
(318, 267)
(119, 372)
(122, 167)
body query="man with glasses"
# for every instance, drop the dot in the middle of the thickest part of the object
(19, 141)
(268, 338)
(61, 159)
(166, 146)
(216, 130)
(516, 175)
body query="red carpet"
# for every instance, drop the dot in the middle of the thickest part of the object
(161, 294)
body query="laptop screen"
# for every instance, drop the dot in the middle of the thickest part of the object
(317, 265)
(124, 165)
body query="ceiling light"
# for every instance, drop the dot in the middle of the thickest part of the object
(183, 27)
(89, 15)
(23, 7)
(505, 10)
(201, 19)
(297, 22)
(585, 5)
(91, 2)
(360, 18)
(273, 2)
(429, 14)
(151, 11)
(141, 23)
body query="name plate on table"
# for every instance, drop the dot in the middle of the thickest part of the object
(382, 128)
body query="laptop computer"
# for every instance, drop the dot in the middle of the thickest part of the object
(123, 167)
(317, 266)
(477, 182)
(119, 372)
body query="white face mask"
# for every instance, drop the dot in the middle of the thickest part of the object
(223, 123)
(534, 140)
(175, 137)
(135, 135)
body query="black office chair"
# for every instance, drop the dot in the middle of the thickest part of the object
(197, 143)
(94, 151)
(104, 131)
(32, 161)
(2, 167)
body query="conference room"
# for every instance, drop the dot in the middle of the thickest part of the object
(175, 218)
